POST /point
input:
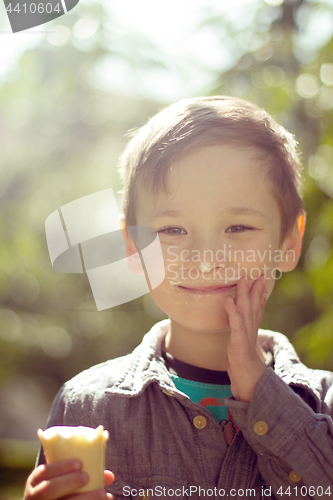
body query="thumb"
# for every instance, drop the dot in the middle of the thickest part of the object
(108, 477)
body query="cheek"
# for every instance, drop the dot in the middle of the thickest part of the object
(165, 295)
(169, 300)
(174, 255)
(254, 260)
(258, 254)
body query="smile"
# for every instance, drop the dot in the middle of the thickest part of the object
(207, 290)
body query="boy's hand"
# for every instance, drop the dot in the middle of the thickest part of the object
(244, 361)
(62, 480)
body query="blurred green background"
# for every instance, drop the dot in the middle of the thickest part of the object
(66, 104)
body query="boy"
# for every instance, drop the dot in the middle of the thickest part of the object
(206, 406)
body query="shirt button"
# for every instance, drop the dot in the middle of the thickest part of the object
(199, 422)
(294, 477)
(260, 428)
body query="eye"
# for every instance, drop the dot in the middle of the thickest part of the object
(239, 229)
(172, 231)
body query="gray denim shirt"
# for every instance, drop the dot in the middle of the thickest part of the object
(158, 447)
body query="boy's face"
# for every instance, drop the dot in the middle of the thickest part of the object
(218, 222)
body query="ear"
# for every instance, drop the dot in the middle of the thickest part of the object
(128, 245)
(292, 245)
(132, 255)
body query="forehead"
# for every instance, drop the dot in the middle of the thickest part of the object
(209, 180)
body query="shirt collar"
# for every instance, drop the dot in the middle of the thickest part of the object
(146, 365)
(291, 370)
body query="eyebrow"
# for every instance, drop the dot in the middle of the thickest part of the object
(165, 213)
(230, 210)
(244, 211)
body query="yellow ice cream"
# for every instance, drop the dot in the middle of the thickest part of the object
(85, 443)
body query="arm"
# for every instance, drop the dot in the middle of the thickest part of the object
(295, 445)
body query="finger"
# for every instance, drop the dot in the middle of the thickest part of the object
(258, 300)
(48, 471)
(236, 321)
(62, 486)
(244, 304)
(108, 477)
(99, 494)
(257, 290)
(230, 307)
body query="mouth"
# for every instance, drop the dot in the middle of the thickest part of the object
(208, 289)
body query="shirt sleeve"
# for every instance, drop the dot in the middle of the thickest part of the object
(59, 415)
(294, 445)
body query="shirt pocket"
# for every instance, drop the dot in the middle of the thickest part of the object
(149, 488)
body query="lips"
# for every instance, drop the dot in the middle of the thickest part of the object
(207, 290)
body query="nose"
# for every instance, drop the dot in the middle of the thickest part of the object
(204, 255)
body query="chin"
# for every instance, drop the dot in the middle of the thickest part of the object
(201, 324)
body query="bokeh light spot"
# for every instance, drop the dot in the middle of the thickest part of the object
(85, 28)
(318, 167)
(55, 342)
(318, 253)
(60, 36)
(326, 73)
(324, 99)
(306, 86)
(274, 76)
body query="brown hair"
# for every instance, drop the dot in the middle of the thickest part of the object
(205, 121)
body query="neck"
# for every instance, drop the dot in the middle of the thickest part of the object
(202, 349)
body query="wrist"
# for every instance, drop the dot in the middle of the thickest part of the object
(254, 375)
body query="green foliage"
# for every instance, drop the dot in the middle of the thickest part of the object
(61, 136)
(292, 86)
